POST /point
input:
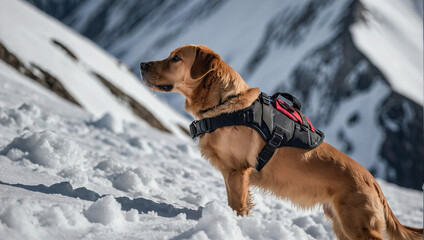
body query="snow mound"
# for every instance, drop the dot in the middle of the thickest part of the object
(219, 222)
(128, 181)
(18, 218)
(25, 116)
(107, 121)
(44, 148)
(26, 218)
(106, 211)
(135, 180)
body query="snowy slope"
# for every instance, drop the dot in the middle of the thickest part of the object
(392, 31)
(46, 140)
(355, 64)
(29, 35)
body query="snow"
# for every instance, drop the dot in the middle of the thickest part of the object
(134, 180)
(392, 38)
(107, 121)
(21, 23)
(229, 227)
(106, 211)
(35, 151)
(44, 148)
(283, 60)
(366, 123)
(142, 183)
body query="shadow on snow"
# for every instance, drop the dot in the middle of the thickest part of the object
(142, 205)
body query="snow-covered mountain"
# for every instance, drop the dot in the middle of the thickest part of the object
(357, 65)
(80, 72)
(69, 170)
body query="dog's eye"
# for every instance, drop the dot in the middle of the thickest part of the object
(175, 59)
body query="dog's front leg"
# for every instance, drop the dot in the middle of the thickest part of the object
(237, 184)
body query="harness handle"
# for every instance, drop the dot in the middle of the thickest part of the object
(295, 101)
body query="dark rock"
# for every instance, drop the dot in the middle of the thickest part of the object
(138, 109)
(37, 74)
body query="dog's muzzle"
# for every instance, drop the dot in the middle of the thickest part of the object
(144, 66)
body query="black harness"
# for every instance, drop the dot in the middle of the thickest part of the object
(278, 123)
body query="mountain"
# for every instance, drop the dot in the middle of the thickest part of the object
(355, 64)
(70, 169)
(80, 72)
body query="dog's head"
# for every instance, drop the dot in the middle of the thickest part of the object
(201, 76)
(181, 71)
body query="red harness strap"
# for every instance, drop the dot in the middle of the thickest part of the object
(290, 112)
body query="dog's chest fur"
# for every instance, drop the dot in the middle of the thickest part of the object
(231, 148)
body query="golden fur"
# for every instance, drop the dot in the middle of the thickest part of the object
(349, 194)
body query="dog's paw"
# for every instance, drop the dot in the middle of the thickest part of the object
(243, 212)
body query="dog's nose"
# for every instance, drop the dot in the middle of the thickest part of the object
(144, 65)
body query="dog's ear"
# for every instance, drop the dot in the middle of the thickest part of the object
(205, 62)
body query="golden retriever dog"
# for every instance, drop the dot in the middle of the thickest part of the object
(349, 194)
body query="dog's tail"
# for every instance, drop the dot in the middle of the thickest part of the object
(395, 229)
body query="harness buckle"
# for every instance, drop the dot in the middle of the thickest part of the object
(193, 129)
(265, 98)
(268, 151)
(277, 138)
(199, 127)
(248, 116)
(205, 126)
(245, 116)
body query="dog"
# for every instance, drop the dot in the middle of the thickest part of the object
(349, 194)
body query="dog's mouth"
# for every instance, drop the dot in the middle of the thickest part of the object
(159, 87)
(165, 87)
